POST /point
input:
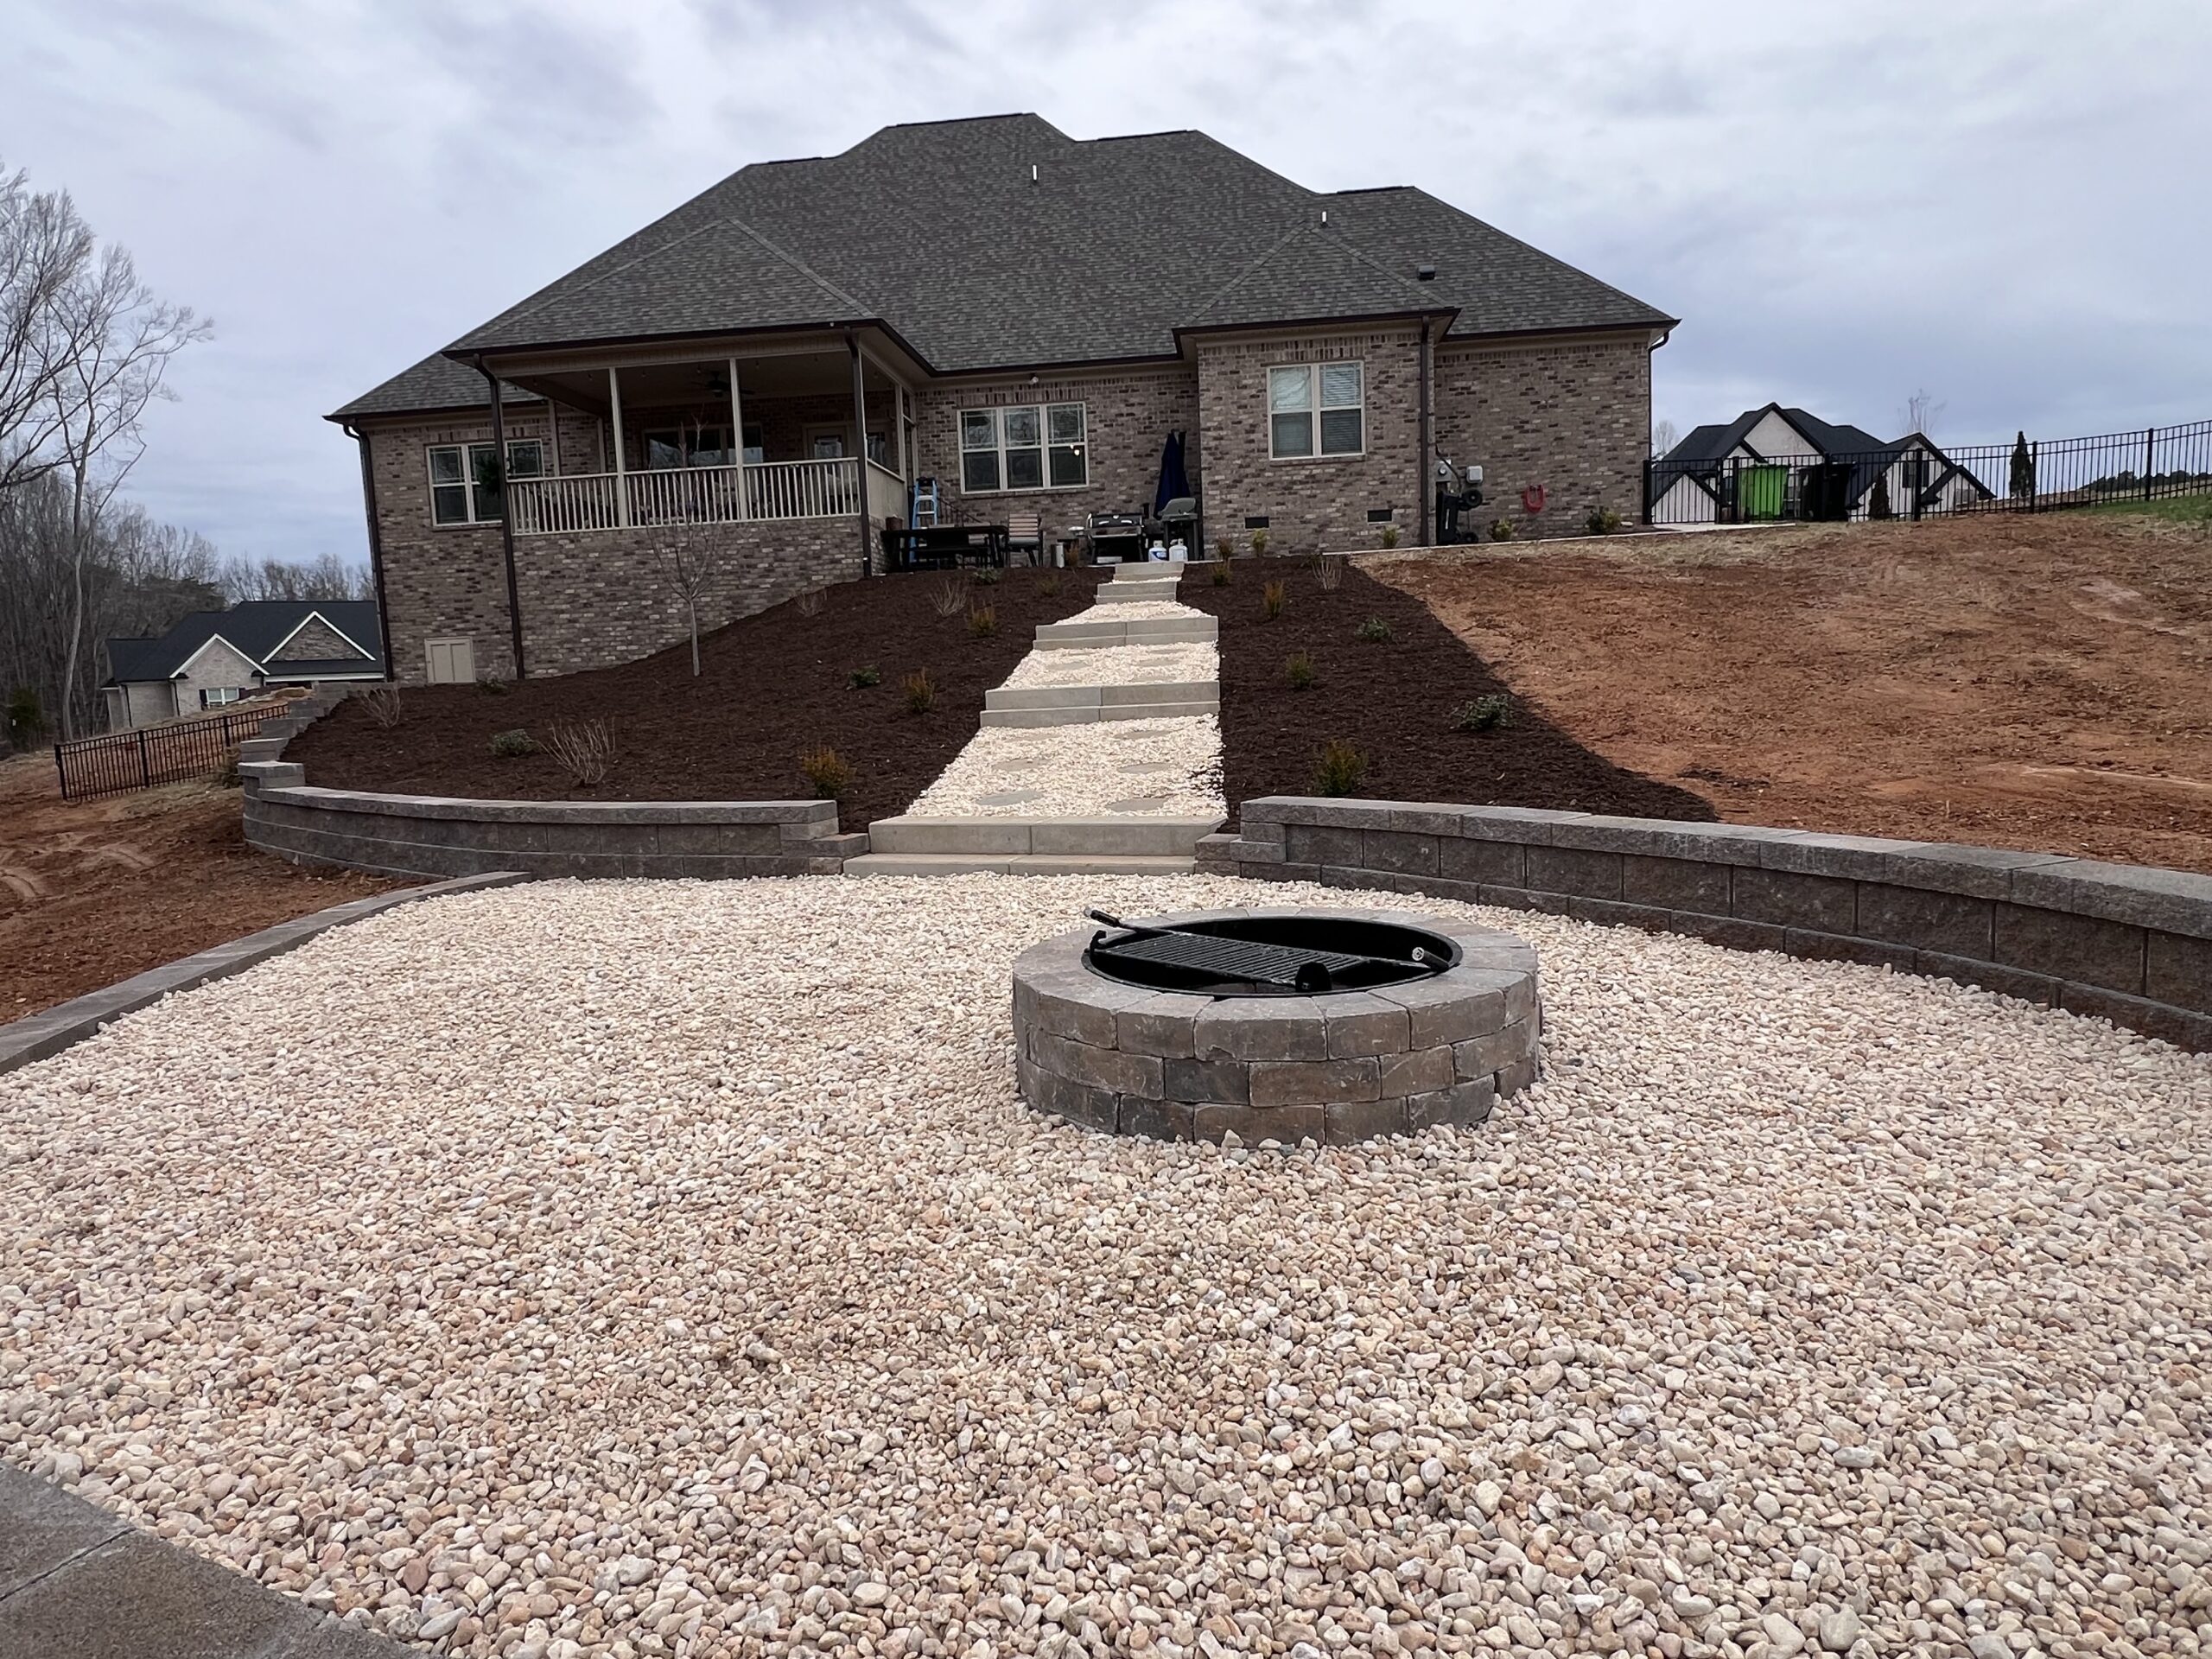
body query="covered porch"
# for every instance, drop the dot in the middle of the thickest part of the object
(818, 428)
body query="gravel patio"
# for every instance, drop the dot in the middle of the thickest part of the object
(668, 1268)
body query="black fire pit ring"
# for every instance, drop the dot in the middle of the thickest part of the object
(1311, 953)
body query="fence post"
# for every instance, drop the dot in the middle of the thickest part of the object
(146, 766)
(2150, 451)
(61, 767)
(1647, 490)
(2035, 473)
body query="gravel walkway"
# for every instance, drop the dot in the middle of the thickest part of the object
(1117, 665)
(660, 1268)
(1138, 768)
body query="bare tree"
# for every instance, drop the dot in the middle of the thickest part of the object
(1664, 437)
(1920, 414)
(114, 340)
(326, 577)
(688, 558)
(45, 248)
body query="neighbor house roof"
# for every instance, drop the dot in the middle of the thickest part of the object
(1699, 455)
(1001, 243)
(256, 629)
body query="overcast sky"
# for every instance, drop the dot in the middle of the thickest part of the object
(2004, 204)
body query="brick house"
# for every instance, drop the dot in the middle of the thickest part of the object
(1023, 316)
(211, 659)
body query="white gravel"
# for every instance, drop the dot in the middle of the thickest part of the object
(668, 1269)
(1136, 610)
(1118, 665)
(1142, 768)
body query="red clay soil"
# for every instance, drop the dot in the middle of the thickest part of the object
(2036, 683)
(92, 892)
(1396, 700)
(775, 686)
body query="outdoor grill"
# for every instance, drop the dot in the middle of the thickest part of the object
(1278, 1025)
(1307, 954)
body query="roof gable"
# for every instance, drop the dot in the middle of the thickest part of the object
(253, 628)
(1310, 273)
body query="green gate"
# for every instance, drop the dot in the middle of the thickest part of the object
(1762, 491)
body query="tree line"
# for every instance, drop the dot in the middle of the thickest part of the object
(84, 350)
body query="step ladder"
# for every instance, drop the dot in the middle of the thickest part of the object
(922, 504)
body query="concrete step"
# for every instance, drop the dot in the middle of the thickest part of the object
(1079, 696)
(1089, 634)
(999, 838)
(1096, 712)
(967, 864)
(1149, 570)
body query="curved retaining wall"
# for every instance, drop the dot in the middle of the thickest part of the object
(2129, 943)
(441, 837)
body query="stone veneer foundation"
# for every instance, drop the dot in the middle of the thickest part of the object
(1340, 1068)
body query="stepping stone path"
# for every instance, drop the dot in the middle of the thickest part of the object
(1167, 728)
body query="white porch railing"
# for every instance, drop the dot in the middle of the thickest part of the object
(697, 495)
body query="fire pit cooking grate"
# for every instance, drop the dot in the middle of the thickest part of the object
(1280, 956)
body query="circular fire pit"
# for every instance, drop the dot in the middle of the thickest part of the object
(1275, 1024)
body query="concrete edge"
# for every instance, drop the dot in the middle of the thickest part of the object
(41, 1036)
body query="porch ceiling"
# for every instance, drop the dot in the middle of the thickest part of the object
(804, 374)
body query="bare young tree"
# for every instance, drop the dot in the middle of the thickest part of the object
(1920, 414)
(688, 557)
(114, 340)
(1664, 437)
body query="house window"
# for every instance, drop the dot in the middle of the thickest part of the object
(1300, 394)
(466, 487)
(214, 696)
(1034, 446)
(687, 446)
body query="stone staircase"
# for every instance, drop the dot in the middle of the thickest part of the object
(1130, 845)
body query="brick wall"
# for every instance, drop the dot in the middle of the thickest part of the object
(318, 642)
(1571, 415)
(214, 666)
(1316, 504)
(1127, 414)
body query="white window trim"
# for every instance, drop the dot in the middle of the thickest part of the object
(277, 655)
(1044, 445)
(468, 478)
(1314, 409)
(184, 668)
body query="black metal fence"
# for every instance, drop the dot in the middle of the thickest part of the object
(154, 754)
(1917, 479)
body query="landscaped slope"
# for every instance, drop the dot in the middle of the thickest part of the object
(1397, 700)
(775, 686)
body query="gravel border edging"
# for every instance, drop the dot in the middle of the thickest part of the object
(42, 1035)
(2130, 944)
(441, 837)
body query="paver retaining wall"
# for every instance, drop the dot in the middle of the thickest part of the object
(439, 835)
(2129, 943)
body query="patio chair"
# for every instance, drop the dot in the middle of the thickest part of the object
(1025, 534)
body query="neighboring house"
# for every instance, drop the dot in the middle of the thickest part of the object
(1784, 463)
(1021, 316)
(215, 658)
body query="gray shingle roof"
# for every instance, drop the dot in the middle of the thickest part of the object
(1003, 243)
(255, 627)
(437, 381)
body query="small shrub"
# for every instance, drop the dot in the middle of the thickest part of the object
(860, 678)
(1220, 576)
(983, 620)
(1051, 585)
(1298, 668)
(583, 750)
(26, 720)
(1501, 530)
(1338, 768)
(230, 777)
(920, 692)
(1329, 572)
(827, 772)
(986, 577)
(1259, 542)
(949, 596)
(811, 603)
(1389, 536)
(381, 704)
(491, 685)
(506, 745)
(1375, 631)
(1225, 547)
(1484, 713)
(1271, 600)
(1602, 521)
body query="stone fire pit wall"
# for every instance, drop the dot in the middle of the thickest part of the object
(1128, 1060)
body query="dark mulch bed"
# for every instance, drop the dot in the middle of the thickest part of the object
(775, 686)
(1394, 701)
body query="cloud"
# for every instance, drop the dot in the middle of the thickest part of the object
(2002, 201)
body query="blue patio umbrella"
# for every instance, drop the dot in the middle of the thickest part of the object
(1174, 479)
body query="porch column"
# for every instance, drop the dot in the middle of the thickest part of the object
(737, 436)
(621, 472)
(860, 459)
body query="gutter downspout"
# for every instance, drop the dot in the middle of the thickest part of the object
(375, 556)
(1424, 490)
(506, 518)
